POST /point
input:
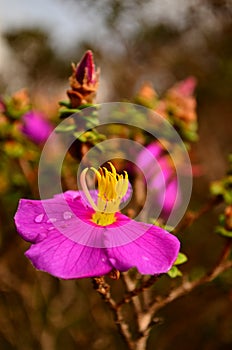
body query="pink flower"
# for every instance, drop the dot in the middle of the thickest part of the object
(2, 106)
(161, 178)
(36, 127)
(91, 239)
(186, 87)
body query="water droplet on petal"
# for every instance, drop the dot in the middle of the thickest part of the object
(145, 258)
(51, 220)
(103, 259)
(51, 228)
(112, 260)
(67, 215)
(39, 218)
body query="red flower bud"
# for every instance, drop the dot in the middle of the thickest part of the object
(83, 81)
(85, 70)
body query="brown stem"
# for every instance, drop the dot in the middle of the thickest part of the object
(29, 175)
(222, 265)
(146, 284)
(142, 341)
(130, 285)
(103, 289)
(145, 319)
(190, 217)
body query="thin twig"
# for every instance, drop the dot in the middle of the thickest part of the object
(222, 265)
(191, 216)
(103, 289)
(29, 175)
(130, 285)
(145, 285)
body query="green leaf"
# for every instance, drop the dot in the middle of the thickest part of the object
(66, 112)
(181, 258)
(65, 128)
(77, 134)
(222, 231)
(217, 188)
(221, 219)
(86, 105)
(83, 137)
(168, 228)
(99, 147)
(228, 197)
(174, 272)
(13, 149)
(65, 104)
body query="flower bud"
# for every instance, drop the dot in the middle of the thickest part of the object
(83, 81)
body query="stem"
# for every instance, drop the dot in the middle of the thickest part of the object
(147, 319)
(141, 343)
(130, 286)
(146, 284)
(190, 217)
(103, 289)
(222, 265)
(29, 175)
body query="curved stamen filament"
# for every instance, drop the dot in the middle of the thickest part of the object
(86, 190)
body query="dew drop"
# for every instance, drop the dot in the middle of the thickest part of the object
(112, 260)
(51, 220)
(39, 218)
(67, 215)
(51, 228)
(103, 259)
(145, 258)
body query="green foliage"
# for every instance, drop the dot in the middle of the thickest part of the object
(224, 232)
(181, 259)
(174, 271)
(223, 188)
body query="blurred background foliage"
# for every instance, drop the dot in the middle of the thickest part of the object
(133, 42)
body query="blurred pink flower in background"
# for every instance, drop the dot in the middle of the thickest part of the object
(36, 127)
(179, 102)
(2, 105)
(186, 87)
(161, 178)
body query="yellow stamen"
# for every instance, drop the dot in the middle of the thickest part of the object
(112, 187)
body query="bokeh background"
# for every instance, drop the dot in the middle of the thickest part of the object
(133, 41)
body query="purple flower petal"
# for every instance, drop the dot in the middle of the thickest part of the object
(30, 220)
(152, 253)
(151, 153)
(2, 106)
(36, 127)
(53, 251)
(171, 198)
(67, 244)
(66, 259)
(186, 87)
(161, 178)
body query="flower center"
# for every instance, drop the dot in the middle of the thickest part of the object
(112, 187)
